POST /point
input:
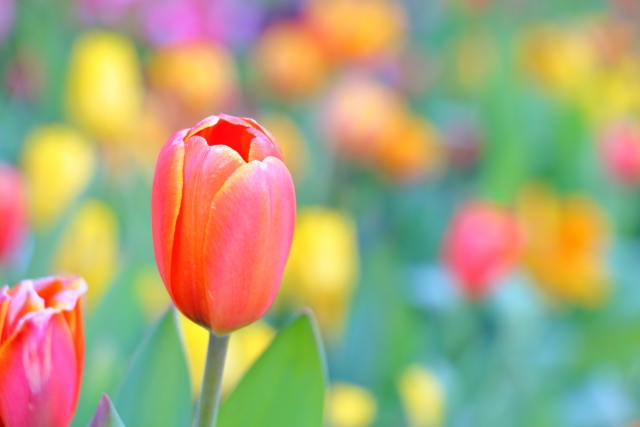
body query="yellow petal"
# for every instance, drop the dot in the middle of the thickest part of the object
(422, 397)
(350, 406)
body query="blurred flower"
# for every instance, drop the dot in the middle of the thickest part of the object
(108, 12)
(104, 86)
(322, 271)
(358, 30)
(7, 16)
(289, 61)
(413, 153)
(13, 211)
(41, 351)
(193, 80)
(228, 248)
(174, 22)
(482, 244)
(422, 397)
(620, 148)
(245, 346)
(89, 248)
(350, 406)
(58, 164)
(562, 59)
(291, 140)
(360, 115)
(565, 244)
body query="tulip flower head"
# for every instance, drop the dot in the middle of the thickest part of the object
(482, 244)
(620, 148)
(350, 406)
(13, 211)
(223, 214)
(41, 351)
(423, 397)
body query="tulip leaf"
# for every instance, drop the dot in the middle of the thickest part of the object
(286, 385)
(106, 415)
(156, 390)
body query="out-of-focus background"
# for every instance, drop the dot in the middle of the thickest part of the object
(467, 175)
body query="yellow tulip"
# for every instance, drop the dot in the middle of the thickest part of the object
(89, 248)
(565, 244)
(350, 406)
(104, 86)
(291, 140)
(422, 397)
(322, 270)
(58, 164)
(245, 346)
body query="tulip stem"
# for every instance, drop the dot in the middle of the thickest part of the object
(207, 410)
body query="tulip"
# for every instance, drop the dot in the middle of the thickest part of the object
(350, 406)
(58, 164)
(89, 248)
(482, 244)
(13, 211)
(620, 148)
(322, 271)
(223, 213)
(41, 352)
(422, 397)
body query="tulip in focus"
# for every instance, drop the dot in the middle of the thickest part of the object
(620, 148)
(482, 244)
(289, 61)
(104, 85)
(13, 212)
(350, 406)
(41, 352)
(565, 245)
(223, 214)
(89, 248)
(422, 397)
(58, 164)
(322, 271)
(245, 346)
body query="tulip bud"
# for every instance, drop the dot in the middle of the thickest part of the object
(58, 164)
(482, 244)
(41, 351)
(13, 211)
(350, 406)
(620, 148)
(223, 213)
(422, 397)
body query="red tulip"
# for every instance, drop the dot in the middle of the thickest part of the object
(41, 352)
(482, 244)
(13, 212)
(620, 148)
(223, 213)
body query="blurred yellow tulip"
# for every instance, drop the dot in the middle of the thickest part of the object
(565, 244)
(104, 85)
(291, 140)
(152, 294)
(322, 270)
(422, 397)
(245, 346)
(193, 80)
(58, 164)
(89, 248)
(350, 406)
(358, 30)
(289, 61)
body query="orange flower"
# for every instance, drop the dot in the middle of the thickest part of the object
(41, 352)
(223, 213)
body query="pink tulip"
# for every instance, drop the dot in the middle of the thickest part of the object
(13, 212)
(41, 352)
(482, 244)
(620, 148)
(223, 214)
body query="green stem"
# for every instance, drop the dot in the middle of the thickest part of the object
(207, 410)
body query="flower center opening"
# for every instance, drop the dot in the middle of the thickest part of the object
(235, 136)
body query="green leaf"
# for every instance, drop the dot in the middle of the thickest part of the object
(106, 415)
(286, 385)
(156, 390)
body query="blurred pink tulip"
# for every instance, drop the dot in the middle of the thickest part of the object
(483, 242)
(13, 212)
(620, 148)
(41, 352)
(223, 213)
